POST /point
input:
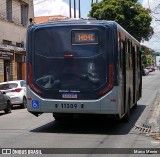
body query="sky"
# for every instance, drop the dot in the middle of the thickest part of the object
(61, 7)
(154, 6)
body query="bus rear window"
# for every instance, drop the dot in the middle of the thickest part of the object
(58, 42)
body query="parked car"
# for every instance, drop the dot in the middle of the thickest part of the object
(16, 90)
(156, 68)
(5, 102)
(146, 71)
(152, 68)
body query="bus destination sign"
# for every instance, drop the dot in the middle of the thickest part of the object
(83, 37)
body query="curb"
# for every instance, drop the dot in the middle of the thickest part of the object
(150, 119)
(148, 111)
(154, 119)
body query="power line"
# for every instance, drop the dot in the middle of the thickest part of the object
(149, 5)
(157, 37)
(153, 12)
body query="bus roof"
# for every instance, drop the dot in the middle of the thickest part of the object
(74, 21)
(80, 22)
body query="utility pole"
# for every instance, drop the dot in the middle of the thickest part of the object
(92, 1)
(74, 8)
(70, 6)
(70, 15)
(79, 9)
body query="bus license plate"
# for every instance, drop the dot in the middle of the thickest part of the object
(69, 95)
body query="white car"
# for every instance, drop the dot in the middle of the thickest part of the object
(146, 71)
(16, 90)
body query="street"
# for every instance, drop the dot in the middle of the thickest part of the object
(21, 129)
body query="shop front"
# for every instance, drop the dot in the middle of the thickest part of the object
(6, 65)
(20, 59)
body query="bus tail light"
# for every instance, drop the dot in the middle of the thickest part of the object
(110, 83)
(30, 80)
(16, 90)
(68, 56)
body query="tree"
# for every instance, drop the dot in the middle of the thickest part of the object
(128, 13)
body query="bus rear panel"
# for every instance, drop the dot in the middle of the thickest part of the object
(72, 68)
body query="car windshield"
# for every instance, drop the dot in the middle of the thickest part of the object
(8, 86)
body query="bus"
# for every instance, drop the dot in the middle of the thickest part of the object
(82, 67)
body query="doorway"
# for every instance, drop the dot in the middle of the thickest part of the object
(6, 70)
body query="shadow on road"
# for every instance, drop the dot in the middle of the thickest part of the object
(1, 114)
(92, 124)
(16, 107)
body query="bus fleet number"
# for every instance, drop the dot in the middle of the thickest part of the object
(69, 106)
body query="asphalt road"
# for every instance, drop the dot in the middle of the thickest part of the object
(20, 129)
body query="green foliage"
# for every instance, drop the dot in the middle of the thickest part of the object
(149, 61)
(129, 14)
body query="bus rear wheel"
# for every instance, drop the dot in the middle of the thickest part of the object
(127, 115)
(62, 116)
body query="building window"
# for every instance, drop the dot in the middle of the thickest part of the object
(7, 42)
(9, 9)
(20, 44)
(24, 14)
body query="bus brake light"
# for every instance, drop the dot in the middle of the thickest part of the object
(32, 86)
(68, 55)
(110, 83)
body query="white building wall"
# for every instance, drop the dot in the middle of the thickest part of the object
(12, 30)
(16, 12)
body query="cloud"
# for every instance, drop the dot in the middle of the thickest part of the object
(52, 7)
(154, 42)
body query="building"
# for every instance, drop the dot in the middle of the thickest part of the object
(41, 19)
(14, 19)
(148, 57)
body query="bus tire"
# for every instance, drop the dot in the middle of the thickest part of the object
(135, 106)
(127, 115)
(62, 116)
(58, 116)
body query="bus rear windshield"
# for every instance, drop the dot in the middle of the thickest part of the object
(61, 65)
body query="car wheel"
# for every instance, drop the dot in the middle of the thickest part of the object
(24, 104)
(8, 108)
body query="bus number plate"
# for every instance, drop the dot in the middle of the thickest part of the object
(73, 106)
(69, 95)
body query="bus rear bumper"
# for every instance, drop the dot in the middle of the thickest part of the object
(105, 105)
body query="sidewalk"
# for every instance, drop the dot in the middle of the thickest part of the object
(154, 118)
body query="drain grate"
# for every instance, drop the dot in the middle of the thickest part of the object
(144, 129)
